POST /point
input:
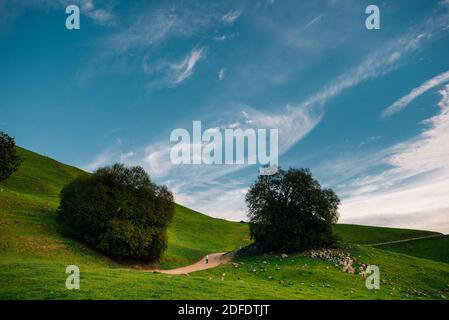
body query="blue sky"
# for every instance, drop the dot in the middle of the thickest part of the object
(366, 110)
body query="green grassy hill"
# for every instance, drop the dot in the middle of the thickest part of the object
(435, 248)
(192, 235)
(30, 197)
(34, 255)
(375, 235)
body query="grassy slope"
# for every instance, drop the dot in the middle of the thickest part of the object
(30, 198)
(372, 235)
(192, 235)
(33, 256)
(436, 248)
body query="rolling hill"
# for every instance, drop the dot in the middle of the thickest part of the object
(33, 256)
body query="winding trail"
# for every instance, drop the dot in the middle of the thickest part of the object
(215, 259)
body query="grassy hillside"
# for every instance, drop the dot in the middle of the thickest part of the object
(30, 197)
(40, 177)
(192, 235)
(375, 235)
(436, 248)
(34, 255)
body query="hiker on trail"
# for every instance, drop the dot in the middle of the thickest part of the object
(207, 259)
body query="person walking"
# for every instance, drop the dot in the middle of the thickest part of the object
(207, 259)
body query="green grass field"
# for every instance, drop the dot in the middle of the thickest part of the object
(34, 255)
(436, 248)
(373, 235)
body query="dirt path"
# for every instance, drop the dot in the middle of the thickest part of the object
(215, 259)
(405, 240)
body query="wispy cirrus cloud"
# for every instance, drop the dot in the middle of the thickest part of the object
(101, 14)
(313, 21)
(172, 74)
(304, 116)
(183, 70)
(230, 17)
(155, 26)
(377, 64)
(403, 102)
(415, 182)
(294, 120)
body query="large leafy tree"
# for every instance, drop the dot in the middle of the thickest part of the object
(290, 211)
(9, 160)
(119, 211)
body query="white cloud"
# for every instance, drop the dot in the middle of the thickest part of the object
(403, 102)
(227, 204)
(150, 29)
(293, 121)
(375, 65)
(313, 21)
(296, 121)
(166, 73)
(145, 32)
(221, 74)
(416, 184)
(232, 16)
(183, 70)
(220, 38)
(102, 16)
(157, 160)
(104, 159)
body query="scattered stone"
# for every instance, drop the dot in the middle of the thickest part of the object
(339, 259)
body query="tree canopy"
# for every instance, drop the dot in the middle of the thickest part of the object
(119, 211)
(290, 211)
